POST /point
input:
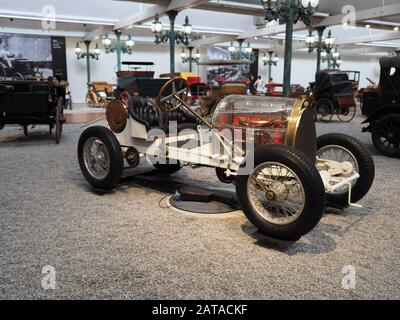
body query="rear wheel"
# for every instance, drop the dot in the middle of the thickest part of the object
(386, 135)
(324, 110)
(100, 157)
(341, 148)
(284, 195)
(59, 119)
(25, 128)
(346, 113)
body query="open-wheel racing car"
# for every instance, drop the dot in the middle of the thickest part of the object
(266, 146)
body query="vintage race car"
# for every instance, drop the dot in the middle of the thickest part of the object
(284, 175)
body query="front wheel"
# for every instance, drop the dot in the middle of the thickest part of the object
(341, 148)
(283, 196)
(386, 135)
(100, 157)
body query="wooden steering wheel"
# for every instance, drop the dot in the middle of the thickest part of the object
(166, 99)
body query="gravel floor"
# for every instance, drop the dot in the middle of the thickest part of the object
(123, 245)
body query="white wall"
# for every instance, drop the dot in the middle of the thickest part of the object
(303, 66)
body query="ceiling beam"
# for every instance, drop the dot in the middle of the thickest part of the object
(150, 13)
(229, 8)
(97, 33)
(374, 13)
(212, 40)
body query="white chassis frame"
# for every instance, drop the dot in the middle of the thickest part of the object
(334, 175)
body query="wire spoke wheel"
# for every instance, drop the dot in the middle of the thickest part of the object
(346, 113)
(276, 193)
(339, 154)
(96, 158)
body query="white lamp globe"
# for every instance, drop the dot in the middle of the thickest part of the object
(78, 50)
(107, 42)
(323, 54)
(314, 3)
(305, 3)
(130, 43)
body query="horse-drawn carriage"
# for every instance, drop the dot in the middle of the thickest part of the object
(333, 93)
(266, 146)
(25, 103)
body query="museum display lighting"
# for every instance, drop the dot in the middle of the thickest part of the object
(240, 53)
(271, 60)
(180, 37)
(190, 59)
(323, 46)
(126, 48)
(332, 58)
(290, 12)
(87, 53)
(172, 36)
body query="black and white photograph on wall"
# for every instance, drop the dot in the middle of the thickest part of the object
(29, 56)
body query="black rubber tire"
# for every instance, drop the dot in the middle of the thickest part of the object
(168, 168)
(379, 126)
(314, 192)
(59, 119)
(365, 164)
(328, 107)
(114, 151)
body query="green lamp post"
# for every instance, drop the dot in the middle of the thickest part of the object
(270, 60)
(322, 45)
(190, 59)
(332, 58)
(290, 11)
(240, 53)
(118, 48)
(174, 37)
(87, 54)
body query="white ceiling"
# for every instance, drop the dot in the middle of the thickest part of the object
(87, 15)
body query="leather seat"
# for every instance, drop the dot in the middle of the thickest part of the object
(148, 113)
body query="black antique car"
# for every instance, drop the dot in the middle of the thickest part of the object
(382, 107)
(25, 102)
(333, 92)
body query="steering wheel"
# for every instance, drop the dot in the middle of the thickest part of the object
(166, 99)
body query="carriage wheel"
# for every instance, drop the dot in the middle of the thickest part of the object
(346, 113)
(324, 110)
(59, 119)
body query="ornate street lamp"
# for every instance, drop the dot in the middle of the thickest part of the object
(322, 45)
(118, 47)
(127, 48)
(290, 11)
(270, 60)
(182, 37)
(332, 58)
(240, 53)
(190, 59)
(88, 55)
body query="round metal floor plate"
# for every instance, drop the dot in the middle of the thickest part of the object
(203, 208)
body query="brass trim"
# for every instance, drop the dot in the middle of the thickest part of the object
(294, 121)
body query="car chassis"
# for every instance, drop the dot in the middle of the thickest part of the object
(280, 186)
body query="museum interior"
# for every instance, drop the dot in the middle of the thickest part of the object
(199, 149)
